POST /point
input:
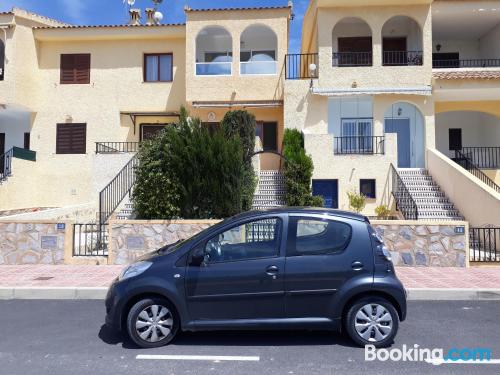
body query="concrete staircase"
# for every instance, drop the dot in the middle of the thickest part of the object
(125, 210)
(432, 203)
(270, 190)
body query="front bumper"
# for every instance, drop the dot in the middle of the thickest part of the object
(113, 306)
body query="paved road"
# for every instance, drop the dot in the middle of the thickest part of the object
(68, 338)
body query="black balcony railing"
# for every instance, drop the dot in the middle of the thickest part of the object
(359, 145)
(484, 244)
(347, 59)
(483, 157)
(116, 147)
(6, 164)
(404, 201)
(297, 65)
(467, 63)
(402, 58)
(467, 164)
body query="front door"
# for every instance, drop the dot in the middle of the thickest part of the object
(328, 190)
(402, 128)
(321, 256)
(2, 151)
(242, 275)
(395, 51)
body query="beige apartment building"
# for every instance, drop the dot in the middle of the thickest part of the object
(398, 100)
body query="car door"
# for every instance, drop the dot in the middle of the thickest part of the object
(322, 254)
(242, 273)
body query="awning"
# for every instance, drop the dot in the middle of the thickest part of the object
(242, 104)
(423, 90)
(134, 115)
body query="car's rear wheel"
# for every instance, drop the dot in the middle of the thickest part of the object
(152, 322)
(372, 321)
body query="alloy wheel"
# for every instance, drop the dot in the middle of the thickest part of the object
(373, 322)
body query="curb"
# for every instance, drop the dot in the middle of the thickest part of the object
(99, 293)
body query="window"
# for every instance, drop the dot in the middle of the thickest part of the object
(356, 136)
(158, 67)
(268, 134)
(212, 126)
(253, 240)
(26, 141)
(75, 69)
(311, 236)
(367, 188)
(71, 139)
(149, 131)
(455, 138)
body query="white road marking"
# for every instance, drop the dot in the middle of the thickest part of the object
(462, 362)
(199, 357)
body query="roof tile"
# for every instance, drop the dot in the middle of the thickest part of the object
(467, 74)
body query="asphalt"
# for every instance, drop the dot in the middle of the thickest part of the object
(57, 337)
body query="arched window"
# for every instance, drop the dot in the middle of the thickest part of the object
(402, 42)
(352, 43)
(406, 120)
(214, 51)
(2, 60)
(258, 50)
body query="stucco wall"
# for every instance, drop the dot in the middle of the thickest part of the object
(235, 87)
(476, 201)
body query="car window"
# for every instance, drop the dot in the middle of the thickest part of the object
(251, 240)
(310, 236)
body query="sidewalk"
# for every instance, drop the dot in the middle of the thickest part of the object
(67, 282)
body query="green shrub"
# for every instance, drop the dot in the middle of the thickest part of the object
(188, 172)
(382, 211)
(357, 201)
(298, 171)
(241, 124)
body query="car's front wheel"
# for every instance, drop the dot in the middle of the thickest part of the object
(152, 323)
(372, 321)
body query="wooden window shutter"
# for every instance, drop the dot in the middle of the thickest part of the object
(71, 139)
(75, 68)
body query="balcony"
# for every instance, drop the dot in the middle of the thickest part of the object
(259, 45)
(457, 63)
(214, 53)
(215, 68)
(350, 59)
(297, 65)
(359, 145)
(116, 147)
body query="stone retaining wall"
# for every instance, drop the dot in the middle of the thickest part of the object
(133, 238)
(33, 243)
(431, 244)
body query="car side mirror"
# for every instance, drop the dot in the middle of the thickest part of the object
(197, 257)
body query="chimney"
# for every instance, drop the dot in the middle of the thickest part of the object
(135, 17)
(150, 13)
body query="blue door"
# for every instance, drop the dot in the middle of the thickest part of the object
(402, 128)
(328, 189)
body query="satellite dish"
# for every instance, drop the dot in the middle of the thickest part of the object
(158, 17)
(130, 2)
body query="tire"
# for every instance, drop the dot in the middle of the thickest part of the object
(372, 321)
(152, 322)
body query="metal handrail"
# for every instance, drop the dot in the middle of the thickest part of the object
(6, 164)
(359, 145)
(402, 58)
(404, 200)
(347, 59)
(111, 196)
(466, 163)
(483, 157)
(466, 63)
(116, 147)
(297, 65)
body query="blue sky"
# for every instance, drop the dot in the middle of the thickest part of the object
(115, 12)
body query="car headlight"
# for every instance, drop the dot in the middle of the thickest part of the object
(134, 270)
(387, 253)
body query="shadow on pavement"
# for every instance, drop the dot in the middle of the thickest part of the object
(238, 338)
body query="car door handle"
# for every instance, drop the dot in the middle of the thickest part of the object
(357, 266)
(272, 270)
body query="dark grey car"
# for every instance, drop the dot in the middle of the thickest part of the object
(293, 268)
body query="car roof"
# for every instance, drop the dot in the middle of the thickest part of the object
(304, 211)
